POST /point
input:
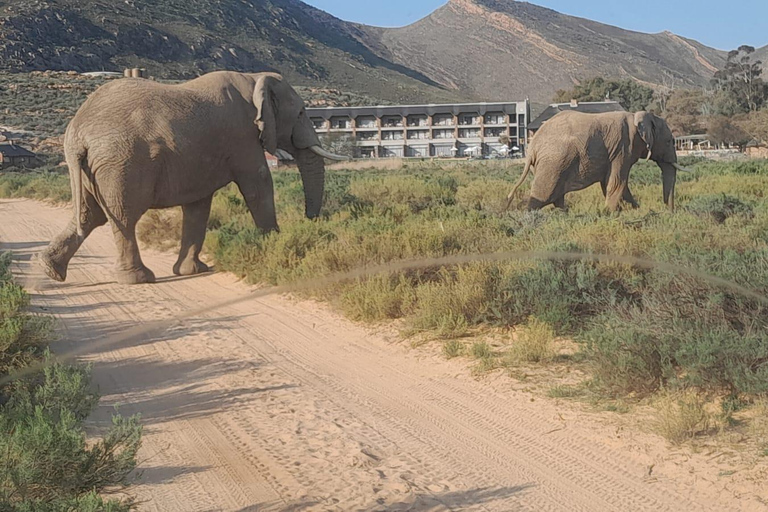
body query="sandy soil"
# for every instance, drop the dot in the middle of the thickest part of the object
(280, 404)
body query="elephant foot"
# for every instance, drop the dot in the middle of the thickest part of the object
(190, 267)
(51, 269)
(141, 276)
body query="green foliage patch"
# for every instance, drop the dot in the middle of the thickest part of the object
(46, 461)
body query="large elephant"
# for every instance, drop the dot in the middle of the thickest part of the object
(137, 144)
(574, 150)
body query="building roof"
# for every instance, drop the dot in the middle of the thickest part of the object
(431, 109)
(589, 107)
(702, 136)
(10, 150)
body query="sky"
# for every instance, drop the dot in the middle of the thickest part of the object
(723, 25)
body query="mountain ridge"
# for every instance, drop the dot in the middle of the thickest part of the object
(491, 50)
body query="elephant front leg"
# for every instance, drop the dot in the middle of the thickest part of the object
(617, 187)
(130, 268)
(55, 258)
(195, 221)
(259, 194)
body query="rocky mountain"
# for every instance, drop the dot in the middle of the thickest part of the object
(506, 48)
(467, 49)
(184, 38)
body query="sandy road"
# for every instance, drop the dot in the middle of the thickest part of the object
(275, 404)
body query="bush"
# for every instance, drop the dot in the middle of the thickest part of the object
(681, 416)
(534, 343)
(50, 186)
(718, 207)
(45, 461)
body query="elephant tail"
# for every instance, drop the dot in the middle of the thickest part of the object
(528, 163)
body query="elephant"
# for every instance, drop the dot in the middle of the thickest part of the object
(574, 150)
(136, 144)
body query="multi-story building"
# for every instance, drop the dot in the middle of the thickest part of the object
(420, 131)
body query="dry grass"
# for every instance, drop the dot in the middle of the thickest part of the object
(384, 164)
(533, 344)
(681, 416)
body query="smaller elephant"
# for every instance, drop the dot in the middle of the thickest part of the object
(136, 145)
(574, 150)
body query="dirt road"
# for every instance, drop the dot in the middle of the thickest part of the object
(277, 404)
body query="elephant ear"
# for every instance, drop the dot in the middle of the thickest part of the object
(645, 127)
(263, 100)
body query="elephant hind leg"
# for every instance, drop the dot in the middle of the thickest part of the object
(130, 268)
(55, 258)
(195, 220)
(629, 198)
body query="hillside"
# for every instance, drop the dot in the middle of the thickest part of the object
(467, 49)
(507, 49)
(183, 38)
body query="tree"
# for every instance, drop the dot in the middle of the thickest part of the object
(755, 124)
(740, 78)
(339, 143)
(723, 130)
(685, 111)
(629, 93)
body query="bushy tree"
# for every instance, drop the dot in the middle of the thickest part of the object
(341, 144)
(722, 130)
(632, 95)
(685, 111)
(740, 79)
(755, 124)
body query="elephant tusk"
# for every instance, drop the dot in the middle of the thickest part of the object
(283, 155)
(681, 168)
(649, 155)
(325, 154)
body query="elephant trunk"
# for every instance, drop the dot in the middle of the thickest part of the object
(312, 169)
(669, 177)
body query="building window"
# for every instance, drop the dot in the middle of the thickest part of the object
(418, 120)
(495, 132)
(495, 118)
(469, 133)
(367, 152)
(318, 123)
(363, 136)
(391, 152)
(392, 135)
(442, 134)
(366, 122)
(468, 119)
(521, 119)
(417, 151)
(340, 123)
(418, 134)
(391, 121)
(442, 120)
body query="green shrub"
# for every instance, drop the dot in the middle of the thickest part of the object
(46, 462)
(453, 348)
(534, 343)
(718, 207)
(52, 186)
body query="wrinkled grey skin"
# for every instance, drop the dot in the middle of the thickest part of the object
(574, 150)
(136, 144)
